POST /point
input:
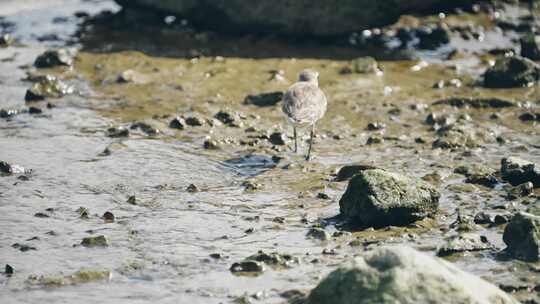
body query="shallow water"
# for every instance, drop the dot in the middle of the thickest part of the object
(160, 246)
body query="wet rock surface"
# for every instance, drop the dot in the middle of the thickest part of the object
(380, 277)
(379, 198)
(522, 236)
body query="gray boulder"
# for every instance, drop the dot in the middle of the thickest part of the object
(404, 275)
(380, 198)
(517, 171)
(522, 236)
(299, 17)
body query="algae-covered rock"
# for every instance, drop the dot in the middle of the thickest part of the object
(522, 236)
(95, 241)
(403, 275)
(379, 198)
(509, 72)
(299, 17)
(47, 86)
(56, 57)
(517, 171)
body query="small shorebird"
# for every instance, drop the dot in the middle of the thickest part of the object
(304, 103)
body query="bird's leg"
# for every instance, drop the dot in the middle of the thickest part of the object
(308, 156)
(295, 143)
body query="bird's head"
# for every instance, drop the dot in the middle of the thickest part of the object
(309, 75)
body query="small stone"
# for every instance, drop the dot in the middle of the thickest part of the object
(528, 116)
(9, 270)
(23, 247)
(251, 186)
(372, 140)
(145, 128)
(83, 212)
(373, 126)
(279, 220)
(132, 200)
(57, 57)
(6, 40)
(247, 266)
(440, 120)
(210, 144)
(95, 241)
(177, 123)
(108, 217)
(34, 110)
(117, 132)
(318, 233)
(41, 215)
(228, 118)
(322, 195)
(5, 168)
(194, 121)
(192, 188)
(278, 139)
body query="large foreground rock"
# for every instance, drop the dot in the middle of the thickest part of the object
(522, 236)
(404, 275)
(380, 198)
(299, 17)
